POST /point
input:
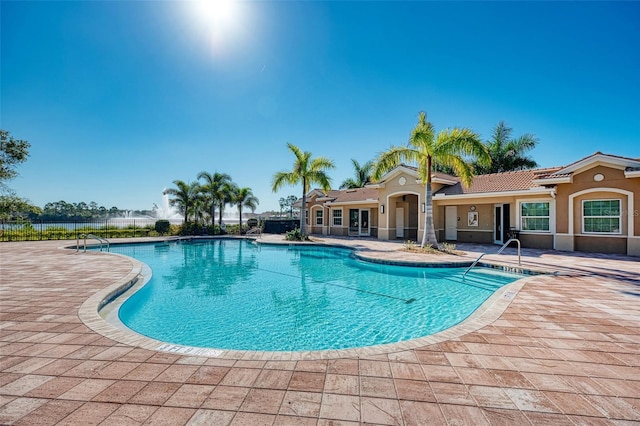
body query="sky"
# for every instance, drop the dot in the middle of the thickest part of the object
(120, 98)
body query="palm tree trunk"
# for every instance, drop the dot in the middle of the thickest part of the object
(304, 207)
(240, 218)
(429, 235)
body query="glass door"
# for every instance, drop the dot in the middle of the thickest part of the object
(353, 221)
(364, 222)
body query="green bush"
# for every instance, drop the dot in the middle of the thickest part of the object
(162, 226)
(296, 235)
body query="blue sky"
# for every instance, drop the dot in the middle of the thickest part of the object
(118, 99)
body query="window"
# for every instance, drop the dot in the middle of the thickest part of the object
(337, 217)
(601, 216)
(319, 217)
(534, 216)
(306, 217)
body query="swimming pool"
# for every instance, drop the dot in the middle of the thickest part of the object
(235, 294)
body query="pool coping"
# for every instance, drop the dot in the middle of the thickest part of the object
(97, 313)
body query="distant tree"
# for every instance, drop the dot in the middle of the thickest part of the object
(12, 206)
(362, 175)
(507, 154)
(184, 197)
(243, 197)
(213, 187)
(291, 200)
(283, 204)
(305, 171)
(12, 152)
(425, 148)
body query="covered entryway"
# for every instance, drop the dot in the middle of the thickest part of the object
(403, 216)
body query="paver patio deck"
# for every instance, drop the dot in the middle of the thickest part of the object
(565, 351)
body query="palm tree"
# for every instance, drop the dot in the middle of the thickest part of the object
(362, 175)
(507, 153)
(226, 196)
(306, 171)
(213, 186)
(425, 148)
(185, 196)
(243, 197)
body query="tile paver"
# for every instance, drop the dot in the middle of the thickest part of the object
(565, 349)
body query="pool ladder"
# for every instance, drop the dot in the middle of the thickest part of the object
(91, 236)
(475, 262)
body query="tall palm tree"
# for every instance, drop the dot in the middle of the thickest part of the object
(306, 171)
(425, 148)
(226, 196)
(362, 175)
(213, 185)
(507, 153)
(243, 197)
(184, 197)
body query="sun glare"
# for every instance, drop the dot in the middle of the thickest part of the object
(219, 14)
(220, 19)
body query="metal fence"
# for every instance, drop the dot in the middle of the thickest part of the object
(69, 230)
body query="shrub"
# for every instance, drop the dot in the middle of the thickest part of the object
(162, 226)
(296, 235)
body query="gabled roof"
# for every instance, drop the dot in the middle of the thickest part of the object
(436, 177)
(343, 195)
(565, 174)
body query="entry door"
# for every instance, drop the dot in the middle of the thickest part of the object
(353, 221)
(364, 222)
(501, 223)
(497, 224)
(399, 222)
(451, 223)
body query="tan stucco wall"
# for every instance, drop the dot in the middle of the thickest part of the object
(613, 178)
(600, 244)
(577, 208)
(537, 241)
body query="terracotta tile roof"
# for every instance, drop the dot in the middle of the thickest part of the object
(499, 182)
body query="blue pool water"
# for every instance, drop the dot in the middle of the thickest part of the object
(234, 294)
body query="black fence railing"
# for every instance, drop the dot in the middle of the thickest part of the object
(11, 230)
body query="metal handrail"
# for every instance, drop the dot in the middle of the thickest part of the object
(475, 262)
(92, 236)
(257, 231)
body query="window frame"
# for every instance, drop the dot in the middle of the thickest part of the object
(619, 216)
(320, 216)
(522, 217)
(335, 217)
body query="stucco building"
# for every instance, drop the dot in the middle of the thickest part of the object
(590, 205)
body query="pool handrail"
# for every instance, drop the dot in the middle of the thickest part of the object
(92, 236)
(499, 251)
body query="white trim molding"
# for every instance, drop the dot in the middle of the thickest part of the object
(552, 215)
(630, 209)
(532, 191)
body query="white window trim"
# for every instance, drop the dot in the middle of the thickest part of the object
(583, 217)
(321, 210)
(333, 218)
(630, 211)
(552, 214)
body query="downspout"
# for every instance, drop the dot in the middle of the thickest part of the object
(555, 219)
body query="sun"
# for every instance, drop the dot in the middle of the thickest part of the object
(218, 14)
